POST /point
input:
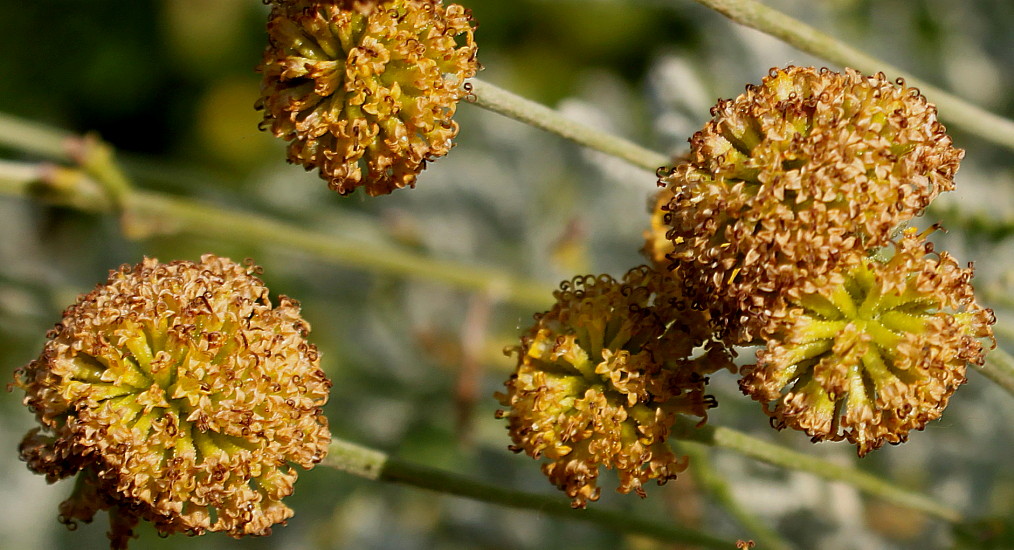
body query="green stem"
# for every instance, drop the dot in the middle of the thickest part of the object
(190, 216)
(988, 226)
(501, 101)
(727, 438)
(953, 109)
(35, 138)
(999, 368)
(97, 160)
(373, 464)
(700, 467)
(149, 212)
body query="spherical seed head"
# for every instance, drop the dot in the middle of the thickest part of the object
(179, 395)
(795, 176)
(601, 377)
(876, 356)
(365, 91)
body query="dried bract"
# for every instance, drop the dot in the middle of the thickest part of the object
(808, 170)
(179, 395)
(365, 91)
(602, 376)
(877, 356)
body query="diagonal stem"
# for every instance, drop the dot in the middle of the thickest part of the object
(727, 438)
(150, 212)
(501, 101)
(373, 464)
(953, 109)
(701, 467)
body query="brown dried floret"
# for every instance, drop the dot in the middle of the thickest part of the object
(805, 171)
(601, 378)
(877, 356)
(365, 91)
(179, 395)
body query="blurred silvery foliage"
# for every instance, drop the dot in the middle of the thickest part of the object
(171, 85)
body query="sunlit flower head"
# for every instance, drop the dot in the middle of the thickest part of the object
(178, 395)
(876, 356)
(807, 170)
(602, 376)
(365, 91)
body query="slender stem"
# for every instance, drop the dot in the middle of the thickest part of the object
(999, 368)
(97, 160)
(373, 464)
(984, 225)
(35, 138)
(953, 109)
(190, 216)
(149, 212)
(700, 467)
(501, 101)
(727, 438)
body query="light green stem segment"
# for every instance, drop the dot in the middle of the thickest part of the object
(373, 464)
(700, 466)
(534, 114)
(999, 368)
(953, 109)
(727, 438)
(159, 212)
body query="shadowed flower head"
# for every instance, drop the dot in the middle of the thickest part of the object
(179, 395)
(795, 176)
(876, 356)
(365, 91)
(601, 377)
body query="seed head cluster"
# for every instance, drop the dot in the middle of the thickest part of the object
(601, 378)
(365, 91)
(876, 356)
(177, 394)
(807, 171)
(784, 227)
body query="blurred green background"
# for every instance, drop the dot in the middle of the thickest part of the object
(171, 85)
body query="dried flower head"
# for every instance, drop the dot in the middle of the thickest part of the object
(178, 395)
(805, 171)
(874, 357)
(601, 377)
(365, 91)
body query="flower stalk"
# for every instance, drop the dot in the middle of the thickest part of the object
(162, 213)
(373, 464)
(711, 480)
(953, 109)
(747, 445)
(500, 101)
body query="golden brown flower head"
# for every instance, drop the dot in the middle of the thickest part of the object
(365, 91)
(601, 377)
(877, 356)
(179, 395)
(793, 177)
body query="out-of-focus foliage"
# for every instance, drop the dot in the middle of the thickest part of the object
(171, 85)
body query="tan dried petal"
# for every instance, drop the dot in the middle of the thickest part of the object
(178, 394)
(877, 356)
(601, 377)
(808, 170)
(364, 91)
